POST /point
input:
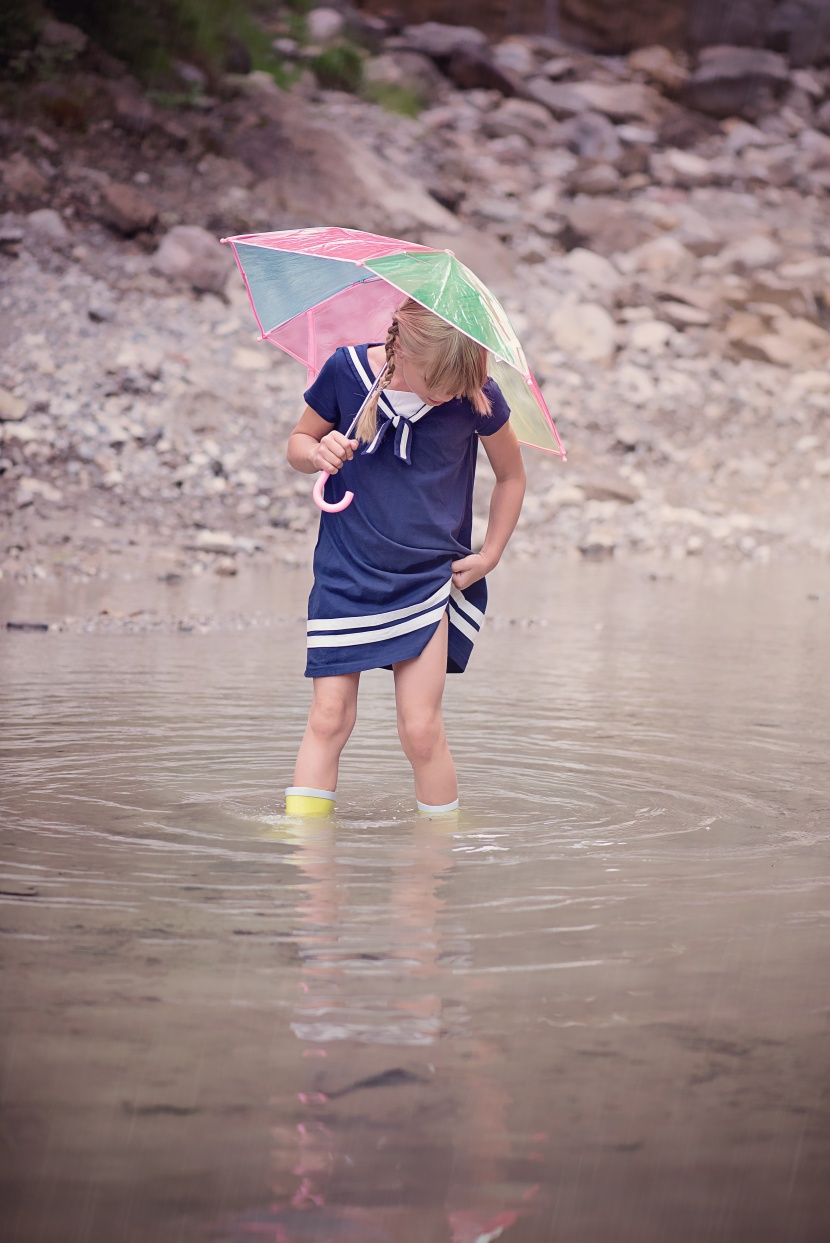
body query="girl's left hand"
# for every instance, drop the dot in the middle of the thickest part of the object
(469, 570)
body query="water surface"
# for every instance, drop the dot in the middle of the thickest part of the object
(594, 1010)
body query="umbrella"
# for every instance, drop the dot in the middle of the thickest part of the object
(313, 290)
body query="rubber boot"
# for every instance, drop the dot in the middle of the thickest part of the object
(303, 801)
(443, 809)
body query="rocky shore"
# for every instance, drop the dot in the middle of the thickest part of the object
(657, 229)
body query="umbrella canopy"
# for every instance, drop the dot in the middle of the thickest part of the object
(313, 290)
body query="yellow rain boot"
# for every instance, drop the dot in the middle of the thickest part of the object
(444, 809)
(303, 801)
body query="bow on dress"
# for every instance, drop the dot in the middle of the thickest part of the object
(402, 424)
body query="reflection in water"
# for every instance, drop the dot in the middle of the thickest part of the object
(595, 1012)
(402, 1148)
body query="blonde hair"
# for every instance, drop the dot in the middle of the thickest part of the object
(451, 362)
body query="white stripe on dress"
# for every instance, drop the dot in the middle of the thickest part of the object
(378, 619)
(377, 636)
(461, 602)
(461, 623)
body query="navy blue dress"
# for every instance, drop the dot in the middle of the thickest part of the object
(382, 567)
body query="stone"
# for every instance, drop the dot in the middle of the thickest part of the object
(664, 258)
(22, 178)
(515, 56)
(591, 268)
(735, 81)
(48, 224)
(324, 25)
(650, 336)
(523, 117)
(595, 179)
(564, 496)
(681, 168)
(681, 315)
(472, 68)
(222, 542)
(610, 489)
(126, 210)
(29, 489)
(12, 408)
(410, 71)
(438, 40)
(251, 360)
(61, 35)
(624, 101)
(190, 255)
(592, 137)
(586, 331)
(755, 251)
(561, 99)
(659, 65)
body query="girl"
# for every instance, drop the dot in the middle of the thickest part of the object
(395, 583)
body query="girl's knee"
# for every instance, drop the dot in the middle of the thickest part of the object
(421, 734)
(332, 721)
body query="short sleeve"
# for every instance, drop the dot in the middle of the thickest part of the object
(499, 411)
(322, 394)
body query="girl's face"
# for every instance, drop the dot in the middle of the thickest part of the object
(414, 379)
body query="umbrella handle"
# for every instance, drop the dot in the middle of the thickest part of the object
(317, 493)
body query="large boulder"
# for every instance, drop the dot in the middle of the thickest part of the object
(735, 81)
(190, 255)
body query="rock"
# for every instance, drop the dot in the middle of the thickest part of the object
(604, 225)
(650, 335)
(564, 496)
(215, 541)
(624, 101)
(29, 489)
(190, 255)
(592, 269)
(681, 315)
(595, 179)
(680, 168)
(410, 71)
(515, 56)
(324, 25)
(659, 65)
(561, 100)
(47, 223)
(22, 178)
(521, 117)
(62, 35)
(12, 408)
(610, 489)
(131, 110)
(609, 26)
(664, 258)
(592, 137)
(126, 210)
(586, 331)
(735, 81)
(440, 41)
(599, 545)
(251, 360)
(473, 68)
(755, 251)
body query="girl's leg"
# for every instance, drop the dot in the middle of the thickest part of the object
(419, 689)
(331, 720)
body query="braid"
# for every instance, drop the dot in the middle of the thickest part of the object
(368, 425)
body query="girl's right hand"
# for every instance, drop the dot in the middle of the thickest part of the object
(332, 451)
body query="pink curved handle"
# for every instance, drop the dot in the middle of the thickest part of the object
(317, 493)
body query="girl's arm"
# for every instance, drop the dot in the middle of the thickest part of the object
(502, 448)
(314, 445)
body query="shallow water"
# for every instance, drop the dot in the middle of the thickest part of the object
(594, 1010)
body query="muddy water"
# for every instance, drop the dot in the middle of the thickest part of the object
(595, 1010)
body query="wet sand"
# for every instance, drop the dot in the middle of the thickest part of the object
(595, 1009)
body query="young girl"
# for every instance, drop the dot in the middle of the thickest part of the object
(395, 582)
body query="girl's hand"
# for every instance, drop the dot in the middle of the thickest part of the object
(469, 570)
(332, 451)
